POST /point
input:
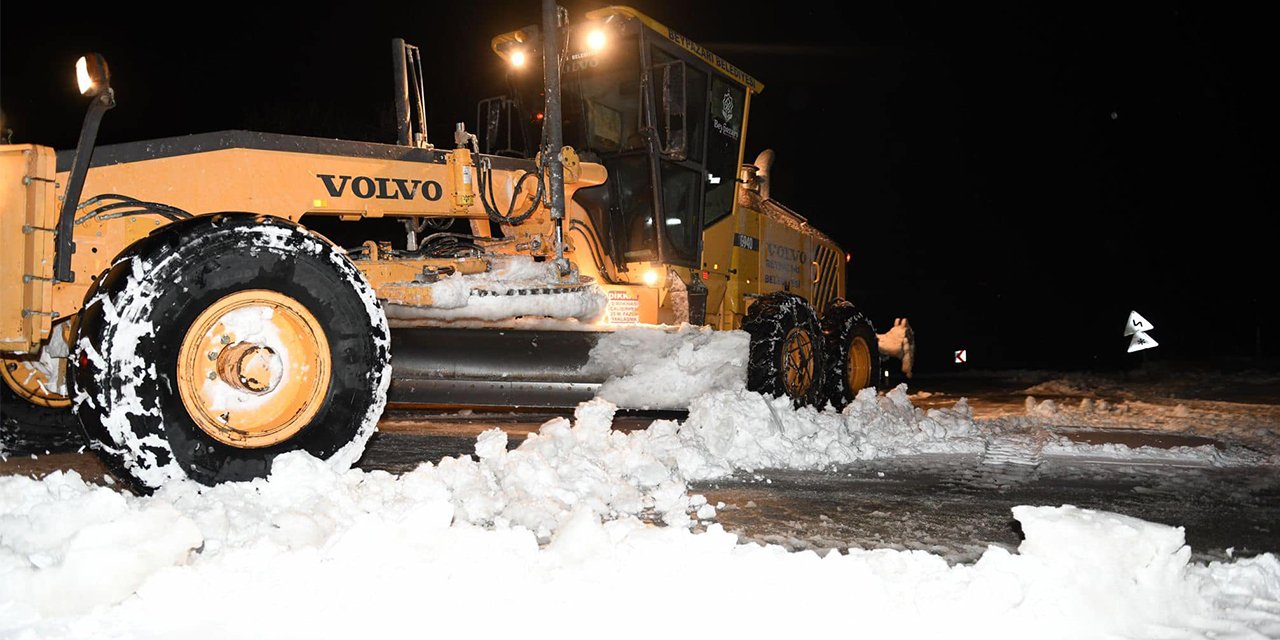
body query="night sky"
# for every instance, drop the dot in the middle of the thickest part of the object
(1014, 179)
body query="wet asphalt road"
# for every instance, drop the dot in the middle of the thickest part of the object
(955, 506)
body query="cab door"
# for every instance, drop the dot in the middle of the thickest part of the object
(677, 97)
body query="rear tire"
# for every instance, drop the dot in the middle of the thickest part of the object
(298, 353)
(27, 428)
(786, 349)
(852, 353)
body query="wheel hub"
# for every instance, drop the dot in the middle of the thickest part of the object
(859, 365)
(254, 368)
(797, 362)
(250, 367)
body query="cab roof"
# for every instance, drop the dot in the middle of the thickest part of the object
(501, 44)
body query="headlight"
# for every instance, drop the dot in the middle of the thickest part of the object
(651, 277)
(518, 59)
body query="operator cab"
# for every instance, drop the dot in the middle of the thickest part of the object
(663, 115)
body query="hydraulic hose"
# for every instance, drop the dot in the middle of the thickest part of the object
(489, 201)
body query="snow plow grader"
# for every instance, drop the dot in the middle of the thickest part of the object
(171, 302)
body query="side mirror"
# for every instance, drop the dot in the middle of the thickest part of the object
(92, 75)
(672, 110)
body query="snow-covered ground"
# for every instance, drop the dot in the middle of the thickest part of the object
(1239, 408)
(583, 530)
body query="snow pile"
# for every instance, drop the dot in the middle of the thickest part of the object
(651, 367)
(1074, 386)
(515, 286)
(311, 552)
(1140, 566)
(739, 429)
(561, 469)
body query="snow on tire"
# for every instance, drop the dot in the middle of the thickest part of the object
(220, 342)
(852, 354)
(786, 348)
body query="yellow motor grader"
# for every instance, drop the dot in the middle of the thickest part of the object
(171, 298)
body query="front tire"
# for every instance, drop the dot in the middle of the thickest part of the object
(852, 353)
(216, 344)
(786, 349)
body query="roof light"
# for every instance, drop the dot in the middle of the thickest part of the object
(596, 40)
(92, 76)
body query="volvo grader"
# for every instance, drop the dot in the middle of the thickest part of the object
(169, 302)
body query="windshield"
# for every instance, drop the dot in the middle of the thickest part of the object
(604, 119)
(600, 96)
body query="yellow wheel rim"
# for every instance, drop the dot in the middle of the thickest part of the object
(797, 362)
(254, 368)
(30, 379)
(859, 365)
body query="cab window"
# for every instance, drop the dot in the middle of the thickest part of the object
(726, 103)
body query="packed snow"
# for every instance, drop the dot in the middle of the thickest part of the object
(515, 286)
(651, 367)
(583, 530)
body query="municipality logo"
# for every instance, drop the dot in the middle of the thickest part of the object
(726, 106)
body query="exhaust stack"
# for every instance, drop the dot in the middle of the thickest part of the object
(764, 164)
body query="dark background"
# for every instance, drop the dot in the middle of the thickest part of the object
(1014, 178)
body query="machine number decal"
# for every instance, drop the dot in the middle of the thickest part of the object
(746, 242)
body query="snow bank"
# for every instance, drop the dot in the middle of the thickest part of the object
(312, 553)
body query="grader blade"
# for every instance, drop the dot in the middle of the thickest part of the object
(492, 367)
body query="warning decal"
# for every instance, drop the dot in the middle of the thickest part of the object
(624, 308)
